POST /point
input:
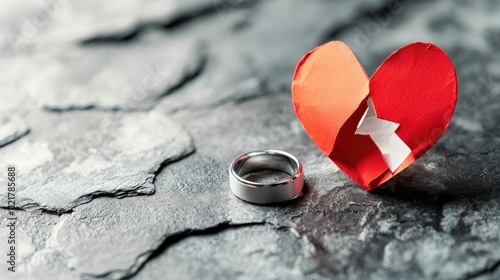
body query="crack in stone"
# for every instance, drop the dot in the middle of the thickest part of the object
(169, 241)
(215, 8)
(12, 208)
(236, 97)
(203, 58)
(487, 270)
(13, 129)
(114, 38)
(14, 138)
(166, 163)
(132, 192)
(117, 182)
(363, 14)
(178, 237)
(93, 107)
(57, 212)
(202, 62)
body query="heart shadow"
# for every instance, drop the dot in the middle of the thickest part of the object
(439, 176)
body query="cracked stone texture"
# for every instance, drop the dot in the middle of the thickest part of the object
(33, 24)
(91, 154)
(234, 253)
(176, 217)
(12, 128)
(127, 77)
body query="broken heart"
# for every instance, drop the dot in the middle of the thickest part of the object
(374, 128)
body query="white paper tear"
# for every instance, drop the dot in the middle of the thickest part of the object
(383, 133)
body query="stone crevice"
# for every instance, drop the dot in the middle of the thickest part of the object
(92, 108)
(178, 237)
(216, 7)
(169, 241)
(364, 14)
(121, 193)
(200, 66)
(485, 272)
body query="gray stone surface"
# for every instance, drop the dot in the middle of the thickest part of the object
(12, 128)
(232, 254)
(34, 259)
(106, 192)
(128, 77)
(91, 154)
(32, 24)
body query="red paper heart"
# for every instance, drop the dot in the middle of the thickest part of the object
(415, 87)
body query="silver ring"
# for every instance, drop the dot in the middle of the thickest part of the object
(250, 165)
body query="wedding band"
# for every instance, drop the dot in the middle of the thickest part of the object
(274, 191)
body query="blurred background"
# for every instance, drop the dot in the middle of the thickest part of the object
(122, 117)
